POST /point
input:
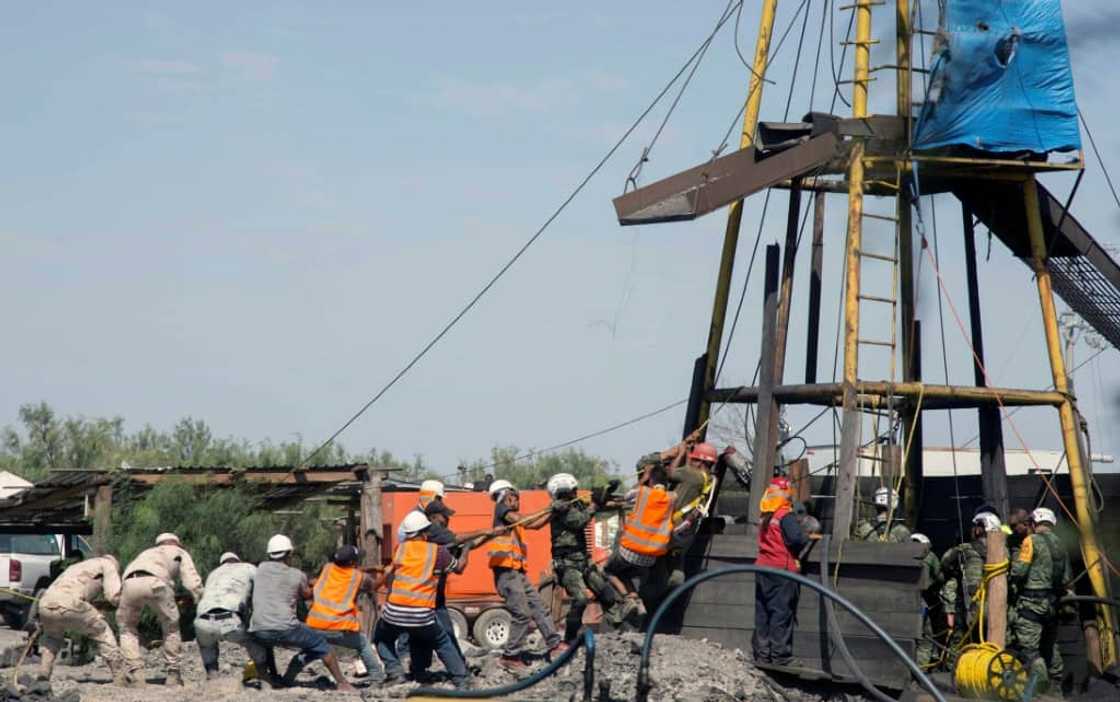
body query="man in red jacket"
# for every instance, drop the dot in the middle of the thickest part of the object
(780, 540)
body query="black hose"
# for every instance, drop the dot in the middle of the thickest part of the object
(647, 646)
(587, 640)
(1091, 599)
(838, 638)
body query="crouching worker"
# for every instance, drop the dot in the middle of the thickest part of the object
(149, 581)
(780, 540)
(508, 557)
(570, 563)
(277, 590)
(222, 613)
(67, 605)
(645, 533)
(410, 607)
(334, 611)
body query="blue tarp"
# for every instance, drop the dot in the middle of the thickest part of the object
(1002, 81)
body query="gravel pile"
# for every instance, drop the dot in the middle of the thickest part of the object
(682, 669)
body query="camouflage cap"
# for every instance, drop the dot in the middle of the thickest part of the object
(648, 459)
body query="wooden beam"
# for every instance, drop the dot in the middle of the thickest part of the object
(997, 590)
(370, 524)
(992, 467)
(785, 294)
(816, 276)
(933, 396)
(766, 439)
(102, 519)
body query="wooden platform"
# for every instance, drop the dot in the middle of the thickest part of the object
(884, 580)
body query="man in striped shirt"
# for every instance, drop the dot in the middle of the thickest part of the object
(410, 607)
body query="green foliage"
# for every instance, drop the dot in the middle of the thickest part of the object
(533, 470)
(210, 521)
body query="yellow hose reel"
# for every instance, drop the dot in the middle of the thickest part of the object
(985, 671)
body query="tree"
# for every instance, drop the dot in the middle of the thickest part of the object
(530, 470)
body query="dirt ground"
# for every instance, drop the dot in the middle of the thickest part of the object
(682, 669)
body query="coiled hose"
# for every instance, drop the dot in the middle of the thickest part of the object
(644, 685)
(586, 640)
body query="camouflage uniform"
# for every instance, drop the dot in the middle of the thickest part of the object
(1038, 575)
(962, 568)
(896, 532)
(933, 611)
(573, 569)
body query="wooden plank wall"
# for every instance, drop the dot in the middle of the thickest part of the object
(884, 580)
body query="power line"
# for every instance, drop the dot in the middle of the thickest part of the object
(1104, 168)
(525, 247)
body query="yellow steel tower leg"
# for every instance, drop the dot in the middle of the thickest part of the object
(849, 436)
(735, 214)
(1090, 550)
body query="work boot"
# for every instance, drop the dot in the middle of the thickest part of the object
(294, 668)
(135, 679)
(211, 675)
(175, 679)
(394, 679)
(513, 664)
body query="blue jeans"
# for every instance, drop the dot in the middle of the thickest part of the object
(310, 644)
(356, 641)
(422, 640)
(422, 658)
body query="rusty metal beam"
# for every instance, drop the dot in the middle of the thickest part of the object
(718, 183)
(933, 396)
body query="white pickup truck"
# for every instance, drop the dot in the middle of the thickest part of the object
(25, 572)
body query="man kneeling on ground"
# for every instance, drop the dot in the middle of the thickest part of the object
(276, 591)
(334, 611)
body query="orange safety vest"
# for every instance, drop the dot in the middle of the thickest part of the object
(335, 605)
(415, 579)
(649, 526)
(508, 550)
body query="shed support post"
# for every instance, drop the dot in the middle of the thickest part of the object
(812, 334)
(102, 519)
(370, 539)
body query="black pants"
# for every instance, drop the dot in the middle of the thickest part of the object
(775, 614)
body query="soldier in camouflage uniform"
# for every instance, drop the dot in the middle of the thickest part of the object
(884, 528)
(1039, 575)
(570, 563)
(962, 568)
(933, 614)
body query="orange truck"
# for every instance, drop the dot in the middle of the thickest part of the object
(475, 606)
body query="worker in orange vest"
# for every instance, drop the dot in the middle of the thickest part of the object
(334, 607)
(646, 530)
(508, 556)
(410, 607)
(780, 541)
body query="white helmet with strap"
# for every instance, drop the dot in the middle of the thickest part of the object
(499, 487)
(1044, 514)
(920, 538)
(989, 521)
(562, 483)
(433, 487)
(885, 497)
(415, 522)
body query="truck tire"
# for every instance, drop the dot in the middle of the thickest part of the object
(459, 622)
(491, 629)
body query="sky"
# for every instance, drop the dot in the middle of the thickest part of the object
(256, 214)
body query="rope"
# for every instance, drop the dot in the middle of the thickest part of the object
(516, 256)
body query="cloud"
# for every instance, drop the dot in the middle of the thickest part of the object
(162, 67)
(251, 65)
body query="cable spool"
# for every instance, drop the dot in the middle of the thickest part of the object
(985, 671)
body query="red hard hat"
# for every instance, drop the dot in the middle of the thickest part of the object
(780, 482)
(704, 452)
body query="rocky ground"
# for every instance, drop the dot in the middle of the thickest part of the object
(682, 669)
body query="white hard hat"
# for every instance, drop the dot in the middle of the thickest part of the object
(279, 546)
(885, 497)
(415, 522)
(1043, 514)
(562, 482)
(167, 538)
(989, 521)
(227, 557)
(433, 486)
(498, 487)
(920, 538)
